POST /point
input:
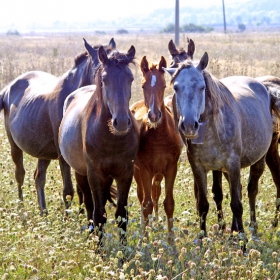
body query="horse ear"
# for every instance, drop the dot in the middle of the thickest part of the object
(112, 44)
(102, 55)
(170, 71)
(90, 49)
(203, 62)
(191, 48)
(131, 53)
(172, 48)
(144, 65)
(162, 64)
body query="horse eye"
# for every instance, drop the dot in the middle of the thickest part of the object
(175, 87)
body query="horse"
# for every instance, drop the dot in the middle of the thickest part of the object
(179, 54)
(159, 148)
(32, 105)
(99, 138)
(272, 158)
(227, 126)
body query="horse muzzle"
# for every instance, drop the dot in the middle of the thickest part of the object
(121, 125)
(190, 131)
(154, 117)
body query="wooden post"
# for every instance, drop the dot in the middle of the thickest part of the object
(225, 25)
(177, 31)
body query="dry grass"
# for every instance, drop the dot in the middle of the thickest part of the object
(56, 247)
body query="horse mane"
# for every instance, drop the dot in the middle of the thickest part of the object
(181, 50)
(118, 58)
(219, 96)
(80, 58)
(216, 92)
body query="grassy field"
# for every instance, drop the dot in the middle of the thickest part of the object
(56, 247)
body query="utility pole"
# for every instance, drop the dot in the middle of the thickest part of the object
(177, 22)
(225, 25)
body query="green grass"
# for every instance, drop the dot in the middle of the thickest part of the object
(58, 246)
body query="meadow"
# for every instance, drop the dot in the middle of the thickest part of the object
(58, 245)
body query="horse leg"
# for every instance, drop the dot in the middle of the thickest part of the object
(17, 156)
(200, 190)
(156, 191)
(83, 186)
(81, 198)
(99, 199)
(68, 189)
(169, 200)
(256, 170)
(273, 163)
(147, 203)
(140, 190)
(235, 192)
(121, 215)
(40, 181)
(218, 196)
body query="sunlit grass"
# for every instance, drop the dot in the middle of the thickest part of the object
(58, 246)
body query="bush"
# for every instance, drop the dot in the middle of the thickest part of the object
(170, 28)
(196, 28)
(13, 32)
(241, 27)
(122, 31)
(100, 32)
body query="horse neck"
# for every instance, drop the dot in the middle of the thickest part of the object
(76, 77)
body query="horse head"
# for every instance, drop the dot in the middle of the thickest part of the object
(153, 84)
(190, 93)
(116, 80)
(179, 55)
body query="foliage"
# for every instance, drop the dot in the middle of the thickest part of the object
(100, 32)
(241, 27)
(58, 246)
(190, 28)
(12, 32)
(170, 28)
(122, 31)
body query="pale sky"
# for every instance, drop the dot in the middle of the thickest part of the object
(21, 12)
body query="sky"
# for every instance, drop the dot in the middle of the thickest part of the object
(21, 12)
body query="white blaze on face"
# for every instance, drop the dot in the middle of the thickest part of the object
(153, 81)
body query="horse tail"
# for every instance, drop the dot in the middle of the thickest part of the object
(2, 94)
(113, 195)
(273, 88)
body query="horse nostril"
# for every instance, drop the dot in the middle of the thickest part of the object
(129, 121)
(196, 125)
(115, 123)
(159, 115)
(182, 126)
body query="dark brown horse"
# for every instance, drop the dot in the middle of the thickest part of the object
(159, 148)
(33, 105)
(99, 137)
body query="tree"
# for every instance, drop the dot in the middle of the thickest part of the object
(241, 27)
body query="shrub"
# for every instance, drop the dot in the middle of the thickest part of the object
(196, 28)
(122, 31)
(170, 28)
(241, 27)
(13, 32)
